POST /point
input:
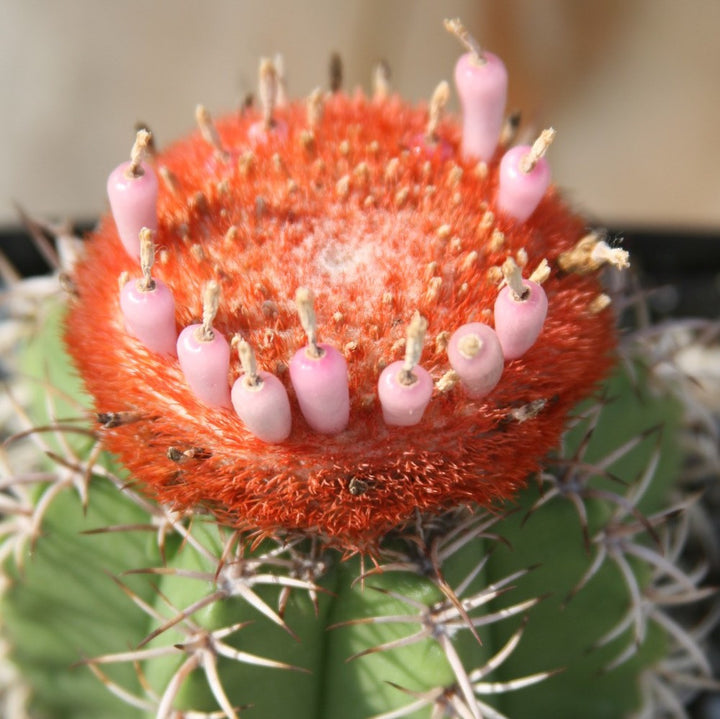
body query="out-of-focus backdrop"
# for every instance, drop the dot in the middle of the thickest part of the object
(632, 86)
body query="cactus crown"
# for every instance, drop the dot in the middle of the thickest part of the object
(380, 222)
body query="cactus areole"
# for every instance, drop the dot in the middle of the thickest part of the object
(313, 245)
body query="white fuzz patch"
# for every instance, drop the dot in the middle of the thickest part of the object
(364, 256)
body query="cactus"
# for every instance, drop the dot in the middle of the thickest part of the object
(511, 553)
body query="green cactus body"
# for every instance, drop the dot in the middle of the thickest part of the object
(65, 603)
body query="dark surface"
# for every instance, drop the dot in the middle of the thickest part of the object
(681, 266)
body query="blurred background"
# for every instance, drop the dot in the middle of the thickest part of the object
(632, 87)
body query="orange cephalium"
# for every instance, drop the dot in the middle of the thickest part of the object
(378, 224)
